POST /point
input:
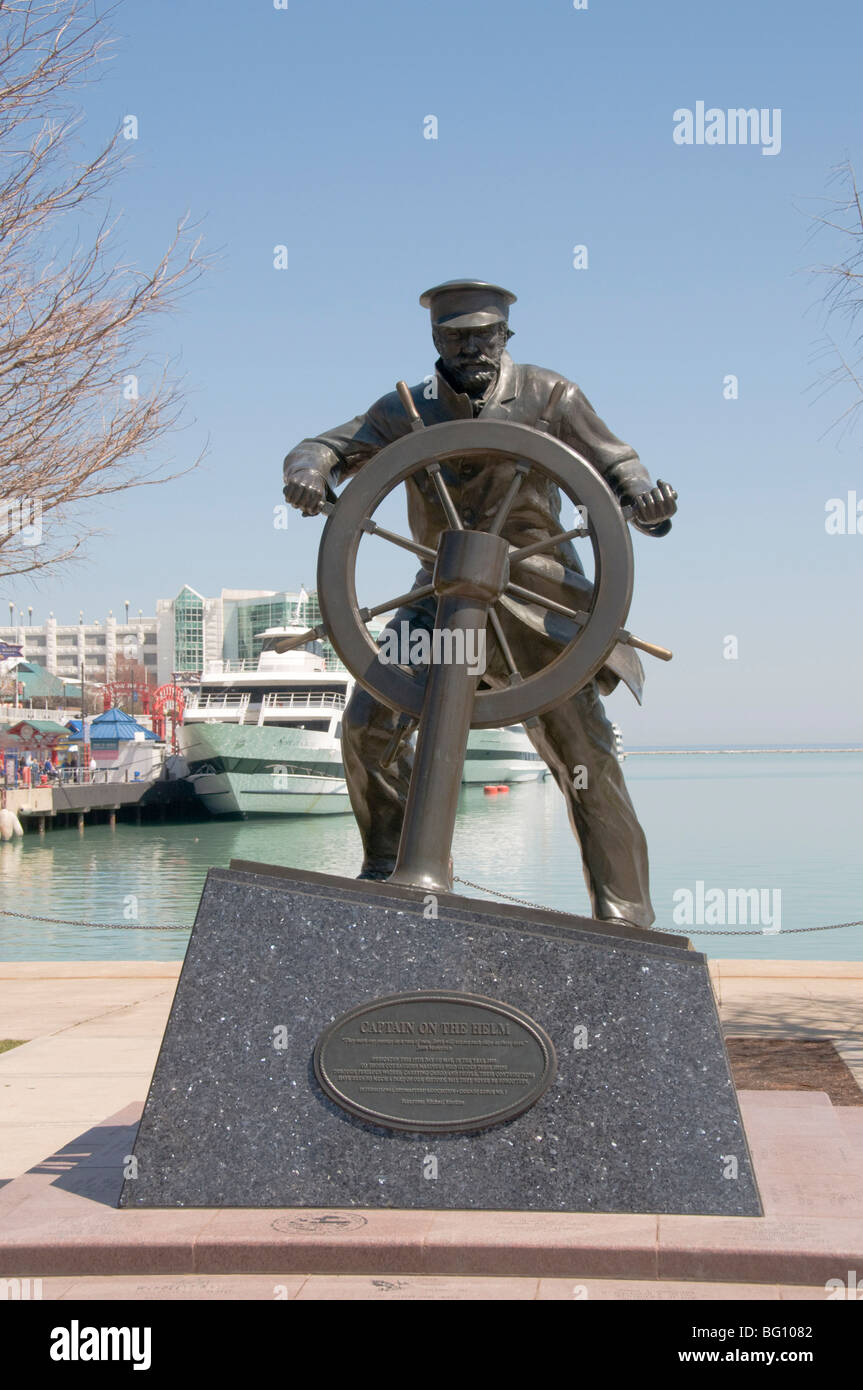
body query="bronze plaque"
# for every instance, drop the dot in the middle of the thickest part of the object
(435, 1062)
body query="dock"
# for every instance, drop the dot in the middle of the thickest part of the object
(77, 804)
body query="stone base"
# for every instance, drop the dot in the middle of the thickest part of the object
(643, 1118)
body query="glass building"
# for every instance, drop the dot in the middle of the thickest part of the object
(188, 630)
(281, 610)
(194, 630)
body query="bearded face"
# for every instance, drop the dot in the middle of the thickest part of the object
(471, 356)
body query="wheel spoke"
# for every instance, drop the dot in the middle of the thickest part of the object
(433, 468)
(402, 601)
(425, 552)
(623, 635)
(515, 677)
(528, 596)
(516, 556)
(443, 492)
(287, 644)
(503, 511)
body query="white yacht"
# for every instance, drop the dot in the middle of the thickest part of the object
(263, 738)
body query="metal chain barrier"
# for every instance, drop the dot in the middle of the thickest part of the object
(537, 907)
(520, 902)
(103, 926)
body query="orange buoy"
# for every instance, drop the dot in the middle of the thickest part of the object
(491, 791)
(503, 787)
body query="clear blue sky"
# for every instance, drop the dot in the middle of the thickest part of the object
(305, 127)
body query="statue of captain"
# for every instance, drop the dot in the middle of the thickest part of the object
(477, 379)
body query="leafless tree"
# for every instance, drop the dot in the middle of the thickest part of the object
(82, 402)
(841, 353)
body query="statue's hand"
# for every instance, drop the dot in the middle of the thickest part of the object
(306, 489)
(657, 505)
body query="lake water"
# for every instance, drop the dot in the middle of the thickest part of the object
(788, 825)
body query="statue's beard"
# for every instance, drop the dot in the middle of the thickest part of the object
(474, 378)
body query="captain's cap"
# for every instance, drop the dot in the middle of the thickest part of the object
(467, 304)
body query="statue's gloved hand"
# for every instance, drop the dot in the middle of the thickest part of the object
(306, 489)
(654, 507)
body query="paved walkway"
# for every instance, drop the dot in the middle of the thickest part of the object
(92, 1033)
(794, 999)
(395, 1288)
(60, 1222)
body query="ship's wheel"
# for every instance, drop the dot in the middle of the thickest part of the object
(469, 573)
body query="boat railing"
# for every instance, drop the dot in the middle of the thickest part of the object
(211, 703)
(257, 666)
(218, 667)
(300, 702)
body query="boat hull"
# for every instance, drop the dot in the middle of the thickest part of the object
(497, 756)
(249, 770)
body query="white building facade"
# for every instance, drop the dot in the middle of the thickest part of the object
(62, 648)
(187, 633)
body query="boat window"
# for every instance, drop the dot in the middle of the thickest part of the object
(317, 726)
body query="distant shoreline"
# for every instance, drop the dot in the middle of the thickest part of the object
(686, 752)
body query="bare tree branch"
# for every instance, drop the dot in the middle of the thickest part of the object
(842, 298)
(82, 402)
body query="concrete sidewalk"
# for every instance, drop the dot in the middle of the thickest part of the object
(60, 1222)
(400, 1288)
(93, 1031)
(794, 999)
(92, 1034)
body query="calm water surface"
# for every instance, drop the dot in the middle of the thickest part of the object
(783, 823)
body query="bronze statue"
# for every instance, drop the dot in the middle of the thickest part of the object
(477, 379)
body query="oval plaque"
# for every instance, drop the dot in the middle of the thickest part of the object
(435, 1062)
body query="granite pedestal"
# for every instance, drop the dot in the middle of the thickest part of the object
(641, 1116)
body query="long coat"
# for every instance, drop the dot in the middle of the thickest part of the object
(477, 484)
